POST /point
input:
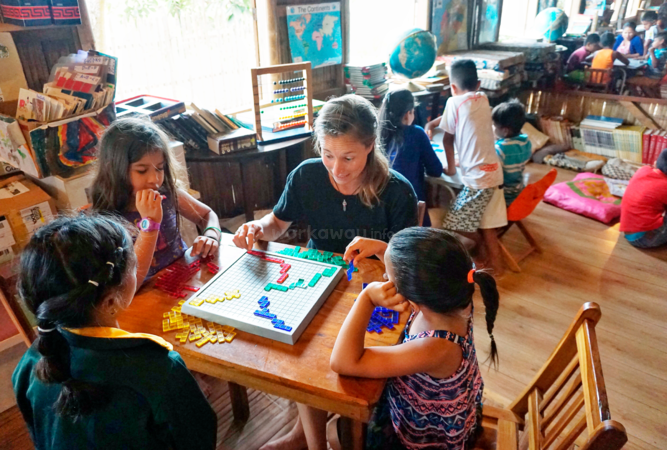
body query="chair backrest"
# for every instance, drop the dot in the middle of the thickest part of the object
(598, 79)
(22, 320)
(568, 395)
(530, 197)
(421, 210)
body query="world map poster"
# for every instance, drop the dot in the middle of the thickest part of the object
(315, 34)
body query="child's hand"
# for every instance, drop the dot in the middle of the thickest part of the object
(204, 246)
(385, 295)
(149, 205)
(247, 235)
(361, 248)
(429, 130)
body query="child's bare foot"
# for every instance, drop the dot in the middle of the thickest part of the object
(294, 440)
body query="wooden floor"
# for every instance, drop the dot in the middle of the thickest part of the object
(583, 261)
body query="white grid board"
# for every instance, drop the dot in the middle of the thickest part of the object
(250, 274)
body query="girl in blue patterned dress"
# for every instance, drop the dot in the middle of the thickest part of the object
(136, 179)
(433, 398)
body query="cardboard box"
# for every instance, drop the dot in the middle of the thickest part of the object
(26, 13)
(65, 12)
(69, 193)
(26, 208)
(12, 78)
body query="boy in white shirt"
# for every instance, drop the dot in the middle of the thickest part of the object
(480, 207)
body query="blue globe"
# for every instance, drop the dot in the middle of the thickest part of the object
(414, 54)
(551, 23)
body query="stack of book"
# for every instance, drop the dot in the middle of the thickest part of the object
(367, 81)
(204, 130)
(558, 129)
(654, 141)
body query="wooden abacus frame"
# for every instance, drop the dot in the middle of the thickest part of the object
(279, 69)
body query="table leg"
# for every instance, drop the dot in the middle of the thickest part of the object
(352, 434)
(248, 200)
(282, 166)
(239, 398)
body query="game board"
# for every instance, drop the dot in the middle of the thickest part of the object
(267, 294)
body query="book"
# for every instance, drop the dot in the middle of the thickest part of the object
(26, 13)
(203, 123)
(602, 122)
(227, 120)
(239, 139)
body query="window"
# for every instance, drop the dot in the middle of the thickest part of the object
(194, 57)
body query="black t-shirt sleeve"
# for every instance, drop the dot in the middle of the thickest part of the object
(290, 205)
(401, 204)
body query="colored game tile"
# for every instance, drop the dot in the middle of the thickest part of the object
(329, 272)
(315, 279)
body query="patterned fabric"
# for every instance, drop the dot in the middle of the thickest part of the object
(649, 239)
(433, 413)
(514, 153)
(170, 245)
(467, 210)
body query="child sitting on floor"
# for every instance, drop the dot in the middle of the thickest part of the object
(512, 147)
(628, 42)
(137, 179)
(649, 21)
(644, 206)
(408, 148)
(576, 59)
(433, 398)
(480, 207)
(85, 383)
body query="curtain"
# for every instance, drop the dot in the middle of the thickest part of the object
(191, 57)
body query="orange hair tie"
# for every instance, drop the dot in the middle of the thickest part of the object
(470, 274)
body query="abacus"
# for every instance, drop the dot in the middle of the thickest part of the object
(287, 115)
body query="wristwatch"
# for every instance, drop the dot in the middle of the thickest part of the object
(146, 225)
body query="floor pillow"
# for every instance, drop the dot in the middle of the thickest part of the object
(588, 195)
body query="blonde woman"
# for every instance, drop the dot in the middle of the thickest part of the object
(348, 192)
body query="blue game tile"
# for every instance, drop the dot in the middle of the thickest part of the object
(282, 327)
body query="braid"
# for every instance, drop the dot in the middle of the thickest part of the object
(491, 298)
(67, 269)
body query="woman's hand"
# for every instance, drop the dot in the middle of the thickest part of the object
(149, 204)
(386, 296)
(204, 246)
(248, 234)
(361, 248)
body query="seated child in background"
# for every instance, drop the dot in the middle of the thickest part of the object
(604, 59)
(628, 42)
(576, 59)
(409, 150)
(649, 20)
(512, 147)
(480, 206)
(644, 206)
(433, 398)
(136, 178)
(657, 55)
(85, 383)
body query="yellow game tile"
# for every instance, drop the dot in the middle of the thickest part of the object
(205, 333)
(213, 339)
(212, 330)
(197, 302)
(176, 309)
(211, 300)
(193, 328)
(193, 337)
(183, 339)
(197, 335)
(230, 336)
(203, 341)
(165, 314)
(181, 303)
(227, 328)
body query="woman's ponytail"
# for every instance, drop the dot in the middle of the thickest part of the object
(490, 296)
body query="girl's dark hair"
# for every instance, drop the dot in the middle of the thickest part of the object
(431, 268)
(352, 115)
(394, 107)
(56, 270)
(125, 142)
(661, 162)
(607, 39)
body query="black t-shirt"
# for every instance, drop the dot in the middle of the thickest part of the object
(309, 195)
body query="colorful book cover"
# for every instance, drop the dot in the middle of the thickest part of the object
(26, 13)
(65, 12)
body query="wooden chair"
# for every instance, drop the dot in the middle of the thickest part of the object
(566, 398)
(604, 80)
(522, 207)
(421, 210)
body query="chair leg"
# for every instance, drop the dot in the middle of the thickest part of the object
(511, 263)
(529, 237)
(239, 399)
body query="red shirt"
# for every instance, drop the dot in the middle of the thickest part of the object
(644, 202)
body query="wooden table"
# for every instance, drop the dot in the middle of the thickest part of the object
(297, 372)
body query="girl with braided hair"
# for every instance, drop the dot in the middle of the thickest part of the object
(433, 396)
(85, 383)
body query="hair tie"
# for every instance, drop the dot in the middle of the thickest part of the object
(111, 264)
(491, 336)
(470, 276)
(94, 282)
(120, 248)
(43, 330)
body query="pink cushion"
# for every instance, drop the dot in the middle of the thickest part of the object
(588, 195)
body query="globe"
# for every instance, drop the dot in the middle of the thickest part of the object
(414, 54)
(551, 23)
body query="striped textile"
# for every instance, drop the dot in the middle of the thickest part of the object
(514, 153)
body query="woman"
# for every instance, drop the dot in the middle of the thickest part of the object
(349, 192)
